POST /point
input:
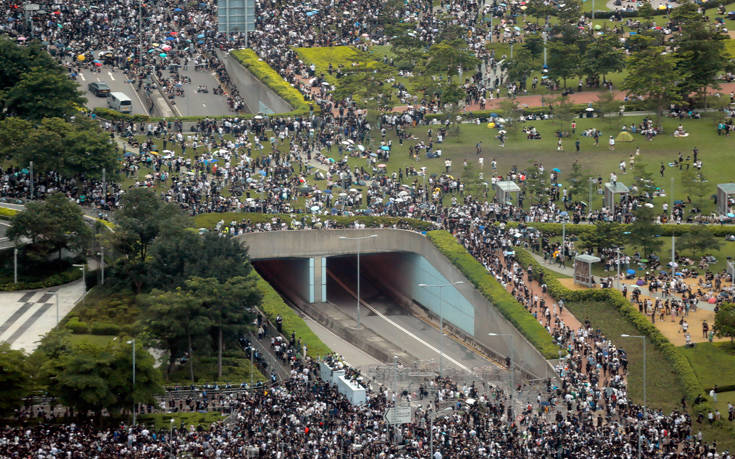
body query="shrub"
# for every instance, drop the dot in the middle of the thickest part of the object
(63, 277)
(350, 58)
(676, 358)
(76, 326)
(274, 305)
(495, 293)
(105, 328)
(262, 71)
(114, 115)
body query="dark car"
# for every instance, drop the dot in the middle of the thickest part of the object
(99, 89)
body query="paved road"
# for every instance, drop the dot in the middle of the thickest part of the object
(198, 103)
(117, 81)
(355, 356)
(394, 324)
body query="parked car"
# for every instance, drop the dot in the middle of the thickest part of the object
(99, 89)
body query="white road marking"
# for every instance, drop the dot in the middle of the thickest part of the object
(81, 75)
(111, 77)
(382, 316)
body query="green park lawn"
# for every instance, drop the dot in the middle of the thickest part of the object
(595, 160)
(664, 389)
(162, 421)
(714, 363)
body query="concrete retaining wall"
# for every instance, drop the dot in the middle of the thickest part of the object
(253, 91)
(289, 244)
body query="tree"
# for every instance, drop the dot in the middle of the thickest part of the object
(184, 254)
(536, 183)
(606, 235)
(563, 112)
(695, 184)
(643, 181)
(15, 378)
(653, 74)
(577, 181)
(71, 148)
(534, 44)
(605, 104)
(228, 305)
(43, 94)
(95, 378)
(15, 60)
(643, 231)
(725, 321)
(700, 50)
(176, 320)
(699, 240)
(519, 68)
(564, 60)
(14, 134)
(141, 218)
(51, 226)
(448, 57)
(602, 56)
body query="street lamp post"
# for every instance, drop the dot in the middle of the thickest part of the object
(642, 338)
(510, 367)
(132, 341)
(441, 317)
(15, 265)
(358, 239)
(83, 267)
(618, 250)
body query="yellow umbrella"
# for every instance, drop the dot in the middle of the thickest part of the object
(81, 57)
(662, 7)
(491, 125)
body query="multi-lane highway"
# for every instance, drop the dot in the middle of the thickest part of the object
(117, 81)
(192, 103)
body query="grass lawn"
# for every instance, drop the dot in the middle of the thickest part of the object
(162, 421)
(714, 363)
(95, 340)
(664, 390)
(235, 370)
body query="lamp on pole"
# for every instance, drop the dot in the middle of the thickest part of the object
(15, 265)
(618, 263)
(83, 267)
(441, 316)
(643, 338)
(510, 367)
(132, 341)
(358, 239)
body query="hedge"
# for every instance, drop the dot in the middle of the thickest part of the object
(273, 305)
(209, 220)
(114, 115)
(63, 277)
(262, 71)
(495, 293)
(345, 56)
(7, 213)
(662, 230)
(677, 359)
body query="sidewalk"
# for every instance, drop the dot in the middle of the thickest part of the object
(27, 315)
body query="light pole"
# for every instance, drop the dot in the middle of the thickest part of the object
(434, 414)
(83, 267)
(643, 338)
(102, 265)
(358, 239)
(441, 316)
(618, 250)
(15, 265)
(510, 367)
(132, 341)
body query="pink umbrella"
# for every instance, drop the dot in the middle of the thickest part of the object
(712, 300)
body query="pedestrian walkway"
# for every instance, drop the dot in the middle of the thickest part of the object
(26, 316)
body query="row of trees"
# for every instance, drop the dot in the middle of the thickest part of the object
(42, 117)
(203, 300)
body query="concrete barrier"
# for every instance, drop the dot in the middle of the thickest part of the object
(258, 97)
(487, 318)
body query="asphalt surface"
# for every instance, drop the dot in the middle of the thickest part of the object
(195, 103)
(117, 81)
(394, 324)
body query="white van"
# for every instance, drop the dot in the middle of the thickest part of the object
(120, 102)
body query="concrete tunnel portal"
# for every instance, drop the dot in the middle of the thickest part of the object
(317, 272)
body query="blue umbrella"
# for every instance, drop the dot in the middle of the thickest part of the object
(170, 39)
(385, 148)
(128, 154)
(178, 10)
(494, 115)
(201, 35)
(731, 215)
(556, 169)
(630, 271)
(163, 54)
